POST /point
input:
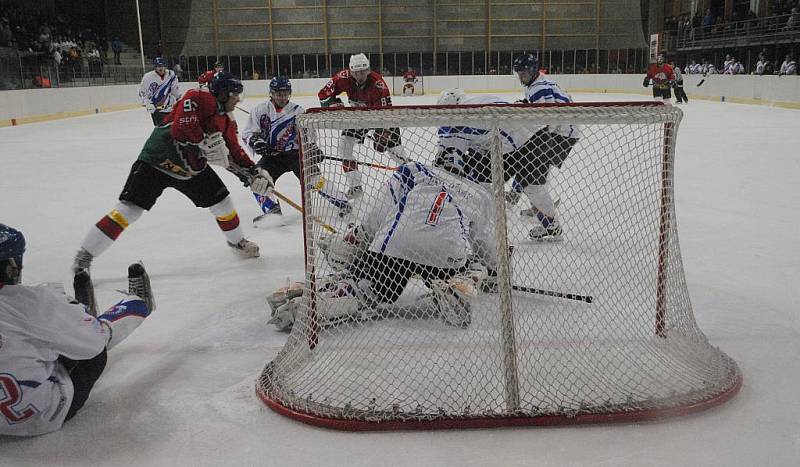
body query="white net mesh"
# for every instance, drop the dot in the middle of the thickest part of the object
(411, 317)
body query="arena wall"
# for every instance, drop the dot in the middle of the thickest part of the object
(34, 105)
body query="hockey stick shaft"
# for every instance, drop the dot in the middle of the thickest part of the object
(245, 111)
(291, 203)
(368, 164)
(555, 294)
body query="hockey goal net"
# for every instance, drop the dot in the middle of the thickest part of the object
(403, 87)
(596, 327)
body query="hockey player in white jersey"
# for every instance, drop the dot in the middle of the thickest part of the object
(788, 67)
(548, 147)
(159, 91)
(473, 144)
(426, 222)
(51, 351)
(270, 132)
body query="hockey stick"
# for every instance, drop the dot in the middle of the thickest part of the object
(368, 164)
(245, 111)
(291, 203)
(552, 293)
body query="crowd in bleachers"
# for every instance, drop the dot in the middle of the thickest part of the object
(68, 44)
(782, 16)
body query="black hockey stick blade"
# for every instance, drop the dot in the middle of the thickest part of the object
(554, 294)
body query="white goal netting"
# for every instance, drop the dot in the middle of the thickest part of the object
(414, 316)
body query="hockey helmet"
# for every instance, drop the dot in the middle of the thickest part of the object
(12, 247)
(527, 62)
(359, 62)
(225, 84)
(159, 62)
(218, 64)
(452, 96)
(280, 83)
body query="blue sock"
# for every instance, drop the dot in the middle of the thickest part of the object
(546, 221)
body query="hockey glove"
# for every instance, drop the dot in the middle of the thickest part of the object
(150, 107)
(646, 82)
(262, 148)
(214, 149)
(332, 102)
(261, 182)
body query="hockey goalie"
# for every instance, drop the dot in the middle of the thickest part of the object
(409, 82)
(430, 223)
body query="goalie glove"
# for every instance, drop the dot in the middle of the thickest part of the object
(150, 107)
(214, 149)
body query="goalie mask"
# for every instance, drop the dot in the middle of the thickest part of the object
(452, 96)
(12, 247)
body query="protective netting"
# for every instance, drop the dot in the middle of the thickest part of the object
(412, 313)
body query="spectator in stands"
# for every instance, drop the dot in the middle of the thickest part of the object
(763, 66)
(116, 47)
(159, 50)
(788, 67)
(708, 21)
(6, 36)
(794, 20)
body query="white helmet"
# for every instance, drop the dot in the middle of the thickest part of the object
(359, 62)
(452, 96)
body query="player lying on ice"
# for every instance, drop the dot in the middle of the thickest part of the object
(270, 132)
(199, 131)
(433, 223)
(51, 351)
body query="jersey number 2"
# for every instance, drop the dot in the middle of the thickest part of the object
(11, 395)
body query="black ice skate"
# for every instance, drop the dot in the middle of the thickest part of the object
(84, 291)
(139, 285)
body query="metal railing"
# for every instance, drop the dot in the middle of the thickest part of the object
(738, 33)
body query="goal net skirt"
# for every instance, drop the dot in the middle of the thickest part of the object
(595, 327)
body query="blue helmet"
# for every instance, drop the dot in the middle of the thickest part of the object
(527, 62)
(158, 61)
(12, 247)
(225, 84)
(280, 83)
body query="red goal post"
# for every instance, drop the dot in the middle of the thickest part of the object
(632, 353)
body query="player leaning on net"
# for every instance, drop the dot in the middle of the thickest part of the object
(159, 91)
(51, 350)
(473, 143)
(270, 132)
(364, 88)
(428, 222)
(662, 77)
(549, 147)
(198, 132)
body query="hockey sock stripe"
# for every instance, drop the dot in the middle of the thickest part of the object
(228, 222)
(110, 227)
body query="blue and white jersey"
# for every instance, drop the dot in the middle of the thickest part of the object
(463, 138)
(544, 91)
(432, 217)
(37, 324)
(727, 67)
(789, 67)
(162, 92)
(273, 125)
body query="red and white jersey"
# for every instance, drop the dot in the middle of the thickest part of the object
(432, 217)
(373, 93)
(198, 113)
(161, 91)
(660, 75)
(410, 76)
(37, 324)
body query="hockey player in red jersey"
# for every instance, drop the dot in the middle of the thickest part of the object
(199, 131)
(364, 88)
(662, 76)
(409, 82)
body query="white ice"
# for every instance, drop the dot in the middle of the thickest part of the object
(180, 391)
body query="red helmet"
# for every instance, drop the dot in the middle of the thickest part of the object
(206, 78)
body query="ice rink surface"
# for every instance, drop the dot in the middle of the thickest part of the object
(180, 390)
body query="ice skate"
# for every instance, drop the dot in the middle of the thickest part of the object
(84, 291)
(83, 260)
(246, 248)
(139, 285)
(551, 233)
